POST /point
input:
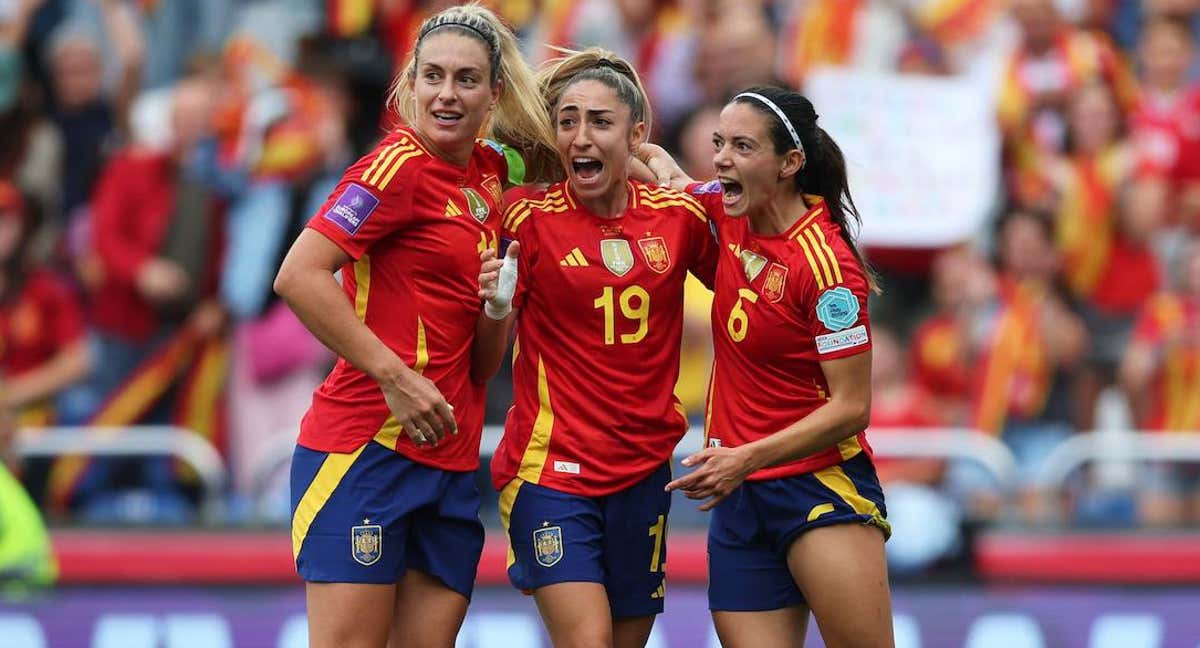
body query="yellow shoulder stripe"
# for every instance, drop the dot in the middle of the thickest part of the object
(820, 255)
(696, 211)
(552, 202)
(389, 160)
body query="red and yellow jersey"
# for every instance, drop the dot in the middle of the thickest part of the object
(414, 225)
(1011, 367)
(940, 358)
(597, 348)
(782, 305)
(1101, 264)
(1170, 326)
(42, 319)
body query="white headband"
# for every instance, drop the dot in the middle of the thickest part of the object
(779, 113)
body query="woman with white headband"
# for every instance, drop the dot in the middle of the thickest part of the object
(798, 514)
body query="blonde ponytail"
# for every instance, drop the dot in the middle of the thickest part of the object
(521, 118)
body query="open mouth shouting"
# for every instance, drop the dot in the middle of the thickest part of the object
(731, 189)
(586, 169)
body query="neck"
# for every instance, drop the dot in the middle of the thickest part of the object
(459, 156)
(778, 215)
(609, 205)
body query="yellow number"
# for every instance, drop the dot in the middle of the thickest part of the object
(640, 313)
(739, 321)
(658, 530)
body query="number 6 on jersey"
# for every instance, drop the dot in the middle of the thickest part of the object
(739, 320)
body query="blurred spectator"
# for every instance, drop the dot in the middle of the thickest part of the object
(26, 555)
(735, 49)
(1052, 61)
(693, 139)
(1107, 261)
(940, 353)
(925, 521)
(1165, 127)
(1161, 375)
(31, 150)
(862, 34)
(93, 121)
(45, 349)
(157, 236)
(1037, 343)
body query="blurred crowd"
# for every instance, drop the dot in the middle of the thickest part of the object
(158, 156)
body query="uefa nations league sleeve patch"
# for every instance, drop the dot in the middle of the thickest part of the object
(352, 208)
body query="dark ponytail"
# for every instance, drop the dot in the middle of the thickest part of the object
(824, 171)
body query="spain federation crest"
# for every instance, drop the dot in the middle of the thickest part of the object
(548, 545)
(491, 184)
(366, 543)
(617, 255)
(752, 264)
(654, 249)
(775, 282)
(476, 204)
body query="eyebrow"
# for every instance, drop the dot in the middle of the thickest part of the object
(591, 112)
(435, 66)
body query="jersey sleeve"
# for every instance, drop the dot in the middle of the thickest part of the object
(516, 226)
(711, 198)
(833, 301)
(703, 242)
(372, 200)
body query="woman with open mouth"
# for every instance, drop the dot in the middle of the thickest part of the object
(585, 457)
(385, 527)
(798, 519)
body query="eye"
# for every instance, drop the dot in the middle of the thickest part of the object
(717, 143)
(566, 122)
(600, 121)
(468, 80)
(742, 147)
(432, 76)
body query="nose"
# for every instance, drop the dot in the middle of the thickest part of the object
(446, 92)
(583, 137)
(721, 157)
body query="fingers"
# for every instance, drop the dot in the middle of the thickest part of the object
(487, 255)
(687, 482)
(514, 249)
(446, 412)
(698, 458)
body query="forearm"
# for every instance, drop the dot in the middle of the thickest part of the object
(824, 428)
(491, 341)
(67, 367)
(317, 299)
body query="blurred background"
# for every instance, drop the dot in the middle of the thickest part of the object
(1028, 173)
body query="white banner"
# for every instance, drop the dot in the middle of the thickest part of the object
(922, 152)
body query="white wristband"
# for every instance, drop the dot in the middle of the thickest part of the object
(500, 305)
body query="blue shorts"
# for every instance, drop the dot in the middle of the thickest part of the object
(752, 529)
(618, 540)
(369, 515)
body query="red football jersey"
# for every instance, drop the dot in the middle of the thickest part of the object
(414, 225)
(597, 350)
(43, 319)
(1170, 325)
(782, 304)
(1165, 130)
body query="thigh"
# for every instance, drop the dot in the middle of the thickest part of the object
(350, 514)
(576, 614)
(745, 571)
(842, 571)
(446, 540)
(553, 537)
(782, 628)
(428, 614)
(349, 615)
(635, 546)
(632, 632)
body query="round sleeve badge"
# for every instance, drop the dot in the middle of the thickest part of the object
(837, 308)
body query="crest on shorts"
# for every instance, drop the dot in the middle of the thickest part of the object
(617, 255)
(776, 281)
(366, 543)
(752, 264)
(548, 545)
(476, 204)
(654, 248)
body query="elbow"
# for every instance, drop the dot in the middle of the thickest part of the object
(858, 417)
(285, 279)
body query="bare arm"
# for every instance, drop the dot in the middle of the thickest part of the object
(71, 364)
(1135, 374)
(845, 414)
(306, 282)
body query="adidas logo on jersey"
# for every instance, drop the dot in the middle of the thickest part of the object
(452, 210)
(574, 259)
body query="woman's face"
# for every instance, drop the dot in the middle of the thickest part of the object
(596, 137)
(454, 92)
(745, 159)
(1093, 119)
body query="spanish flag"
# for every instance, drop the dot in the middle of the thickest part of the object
(823, 33)
(1086, 219)
(1014, 369)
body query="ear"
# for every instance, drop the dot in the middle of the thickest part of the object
(793, 162)
(497, 92)
(637, 135)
